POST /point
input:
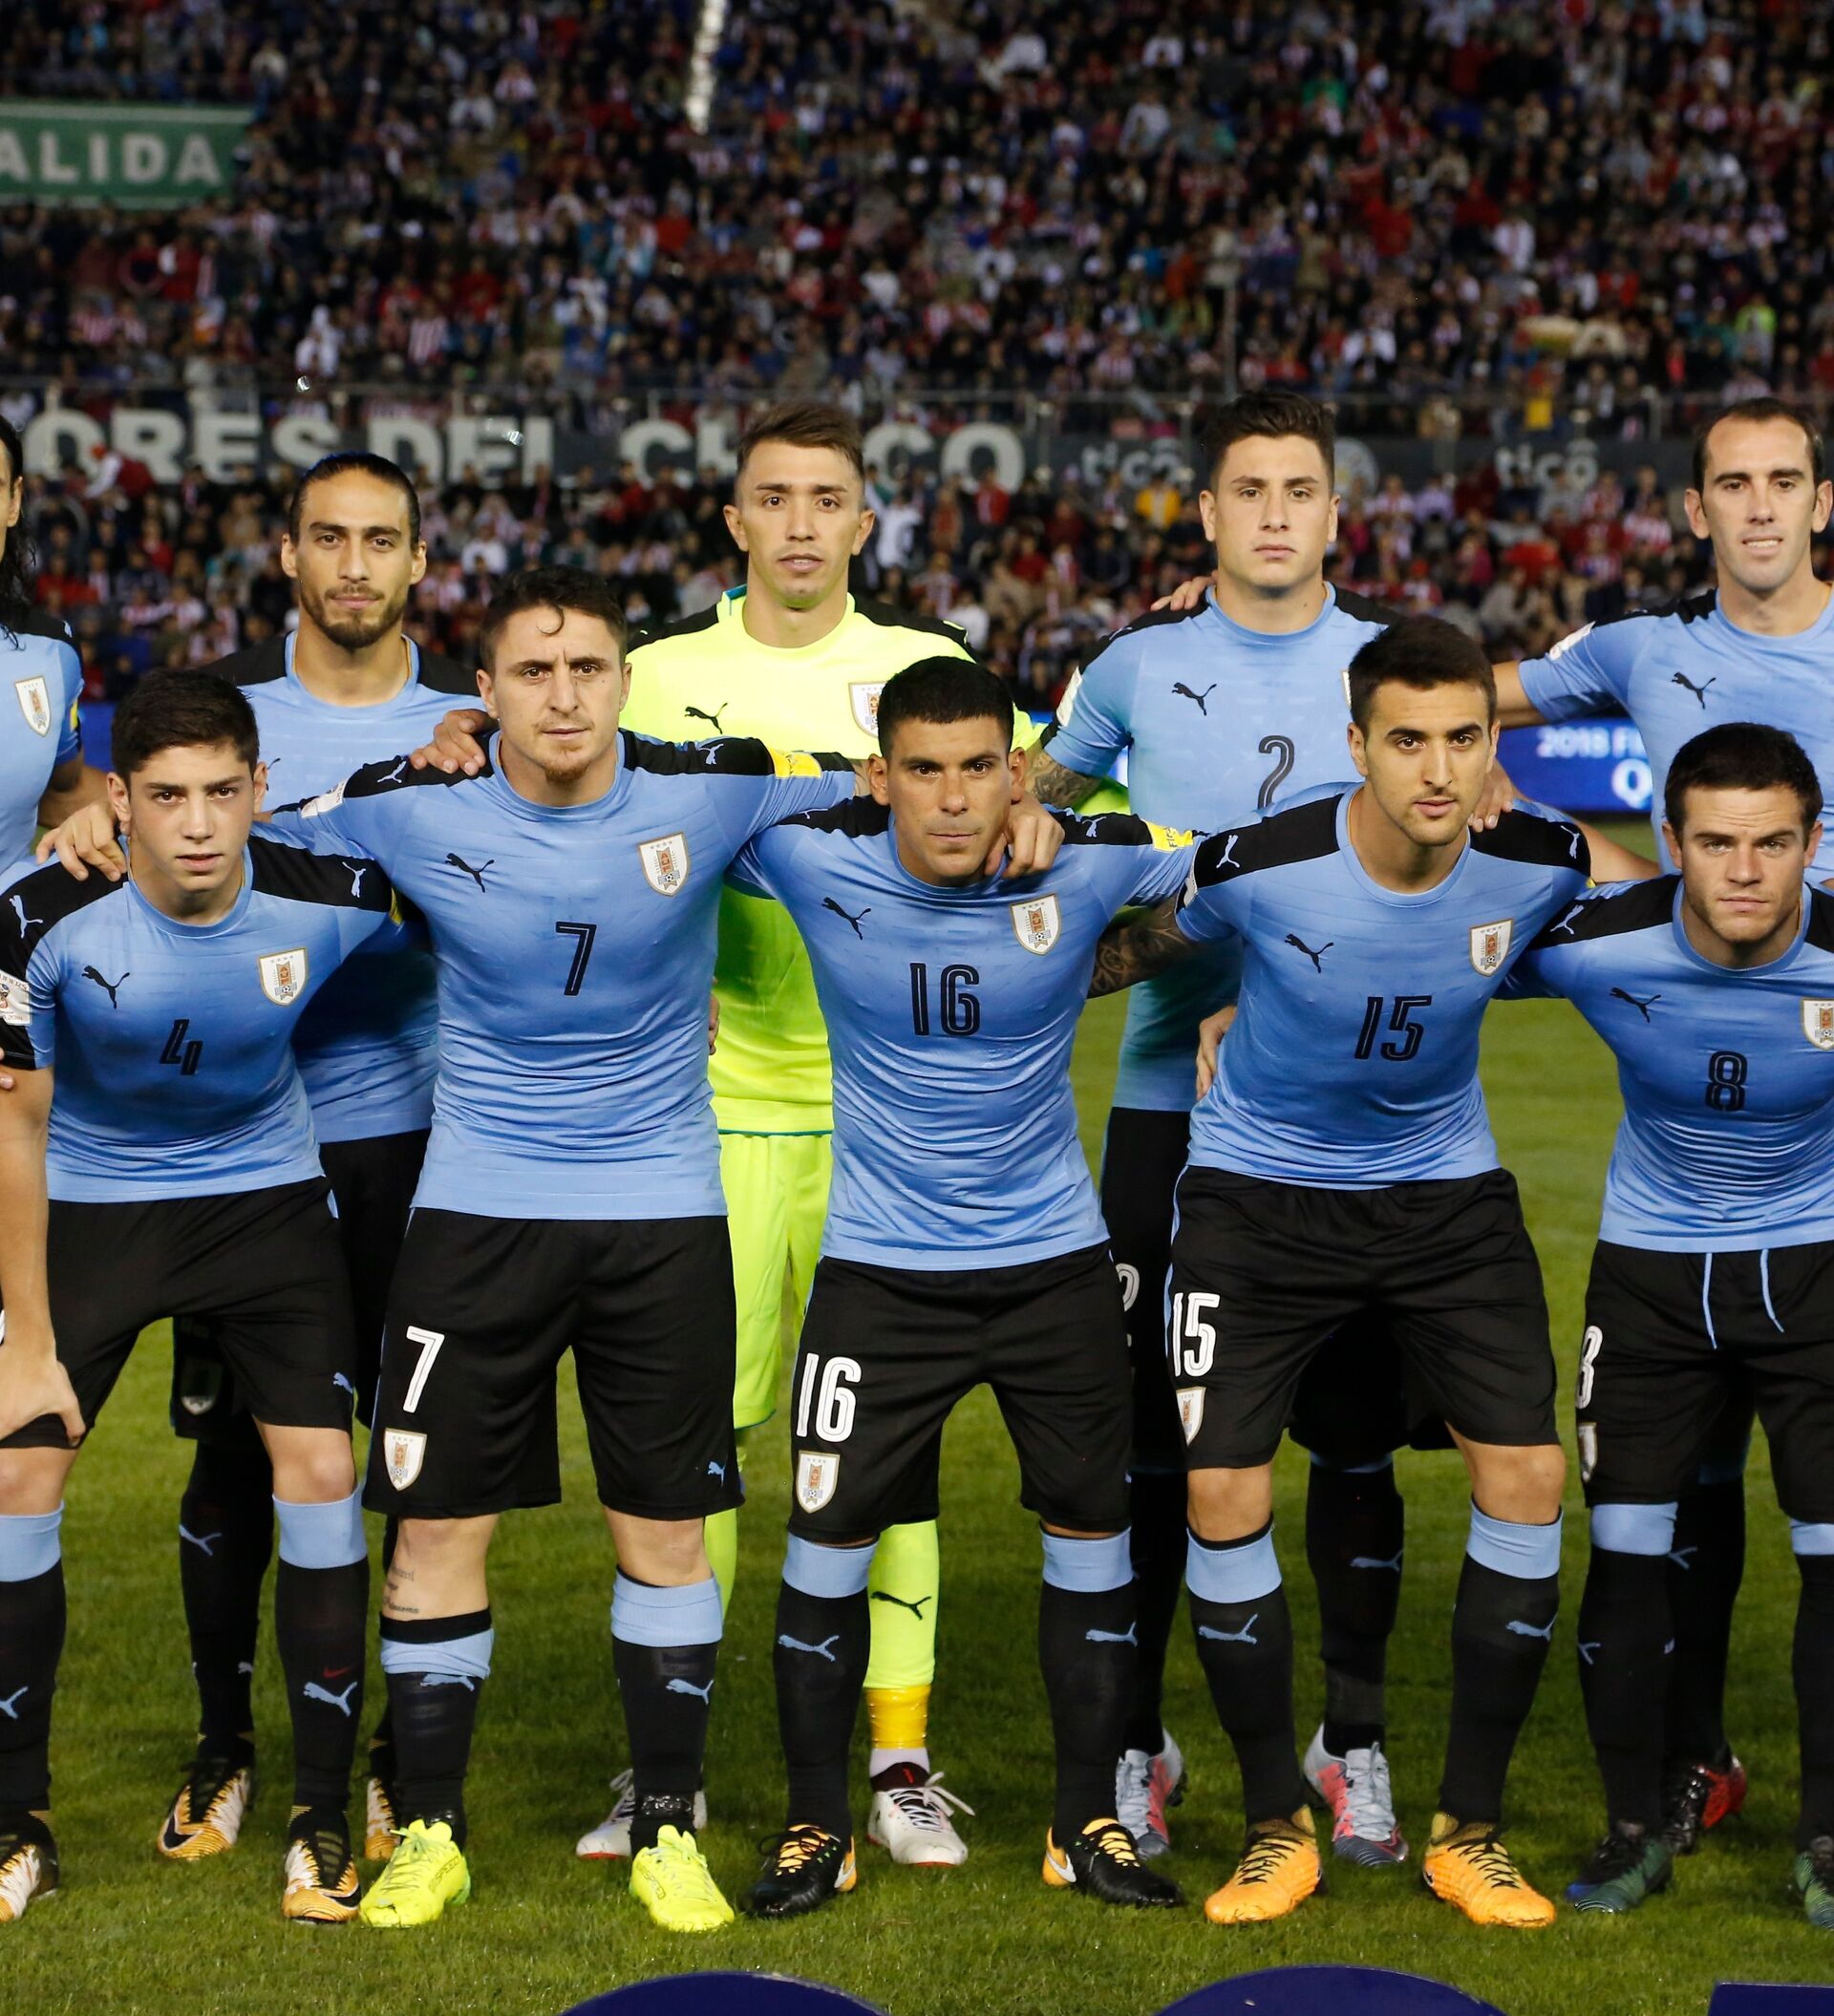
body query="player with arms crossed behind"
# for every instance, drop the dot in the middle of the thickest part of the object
(183, 1177)
(963, 1244)
(1342, 1167)
(1713, 1274)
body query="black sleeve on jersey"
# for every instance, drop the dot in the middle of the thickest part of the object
(1821, 919)
(1365, 609)
(1104, 829)
(1638, 907)
(301, 877)
(37, 903)
(34, 622)
(891, 618)
(441, 675)
(722, 757)
(859, 819)
(1546, 844)
(258, 665)
(1304, 833)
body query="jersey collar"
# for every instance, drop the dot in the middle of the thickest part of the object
(1402, 899)
(190, 933)
(302, 692)
(1240, 634)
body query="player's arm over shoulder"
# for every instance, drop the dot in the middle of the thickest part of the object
(1137, 861)
(1588, 671)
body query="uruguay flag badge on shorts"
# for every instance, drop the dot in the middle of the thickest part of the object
(403, 1450)
(1190, 1409)
(1490, 944)
(816, 1473)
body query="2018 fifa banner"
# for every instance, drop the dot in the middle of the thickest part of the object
(134, 154)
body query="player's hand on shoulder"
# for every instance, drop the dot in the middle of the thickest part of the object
(1185, 596)
(1498, 796)
(1031, 840)
(1210, 1032)
(85, 840)
(455, 744)
(33, 1384)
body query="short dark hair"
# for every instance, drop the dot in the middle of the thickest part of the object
(1421, 652)
(16, 562)
(805, 423)
(943, 689)
(556, 588)
(355, 462)
(1269, 416)
(181, 707)
(1762, 409)
(1741, 755)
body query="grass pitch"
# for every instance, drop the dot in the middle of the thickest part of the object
(544, 1931)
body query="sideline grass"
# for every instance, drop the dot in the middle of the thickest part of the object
(542, 1931)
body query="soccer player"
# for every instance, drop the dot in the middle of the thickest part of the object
(347, 687)
(1757, 647)
(569, 1201)
(1341, 1168)
(179, 1160)
(797, 661)
(42, 774)
(1714, 1275)
(963, 1244)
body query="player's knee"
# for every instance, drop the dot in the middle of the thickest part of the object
(1229, 1504)
(1521, 1485)
(312, 1466)
(1634, 1528)
(31, 1481)
(665, 1552)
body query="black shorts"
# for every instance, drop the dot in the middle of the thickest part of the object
(482, 1311)
(263, 1266)
(1263, 1273)
(1353, 1404)
(885, 1354)
(373, 1187)
(1677, 1348)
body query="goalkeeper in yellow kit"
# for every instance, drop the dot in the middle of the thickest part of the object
(795, 659)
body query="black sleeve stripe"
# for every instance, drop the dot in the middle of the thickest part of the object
(441, 675)
(858, 819)
(722, 756)
(1365, 609)
(1527, 836)
(258, 665)
(37, 903)
(1104, 829)
(1641, 906)
(1305, 833)
(1821, 919)
(398, 774)
(1688, 609)
(290, 872)
(681, 627)
(887, 617)
(34, 622)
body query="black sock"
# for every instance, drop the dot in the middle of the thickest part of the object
(665, 1644)
(1086, 1652)
(1706, 1568)
(823, 1646)
(321, 1616)
(1813, 1667)
(31, 1642)
(1245, 1646)
(225, 1541)
(436, 1670)
(1355, 1523)
(1158, 1545)
(1502, 1626)
(1626, 1644)
(382, 1759)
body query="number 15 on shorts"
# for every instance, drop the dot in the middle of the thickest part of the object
(1191, 1345)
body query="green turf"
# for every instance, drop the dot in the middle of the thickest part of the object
(543, 1930)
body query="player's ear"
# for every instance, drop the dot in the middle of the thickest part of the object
(260, 784)
(486, 688)
(1358, 748)
(1692, 504)
(418, 569)
(1814, 841)
(623, 685)
(1206, 510)
(1018, 764)
(289, 558)
(1331, 517)
(1672, 840)
(867, 519)
(735, 526)
(878, 779)
(1824, 506)
(118, 799)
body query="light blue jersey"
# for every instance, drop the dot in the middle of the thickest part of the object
(952, 1013)
(1727, 1140)
(366, 1046)
(41, 685)
(1352, 1061)
(574, 946)
(1683, 669)
(172, 1042)
(1219, 723)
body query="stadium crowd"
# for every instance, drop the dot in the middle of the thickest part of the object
(1456, 214)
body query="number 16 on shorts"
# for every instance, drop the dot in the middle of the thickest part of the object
(1190, 1344)
(825, 1398)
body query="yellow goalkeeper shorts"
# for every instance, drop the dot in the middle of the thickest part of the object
(777, 1201)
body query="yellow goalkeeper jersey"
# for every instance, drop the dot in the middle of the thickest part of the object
(707, 675)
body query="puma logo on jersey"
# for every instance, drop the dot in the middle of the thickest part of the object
(456, 861)
(356, 876)
(1201, 699)
(1318, 957)
(828, 904)
(395, 775)
(700, 713)
(1700, 692)
(26, 922)
(1641, 1005)
(107, 986)
(1227, 860)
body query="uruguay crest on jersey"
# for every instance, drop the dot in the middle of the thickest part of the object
(1036, 922)
(283, 976)
(34, 703)
(818, 1470)
(1490, 943)
(403, 1450)
(865, 695)
(1818, 1023)
(665, 862)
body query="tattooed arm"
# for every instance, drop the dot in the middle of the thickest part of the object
(1130, 953)
(1054, 785)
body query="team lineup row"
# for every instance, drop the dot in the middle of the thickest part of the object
(990, 996)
